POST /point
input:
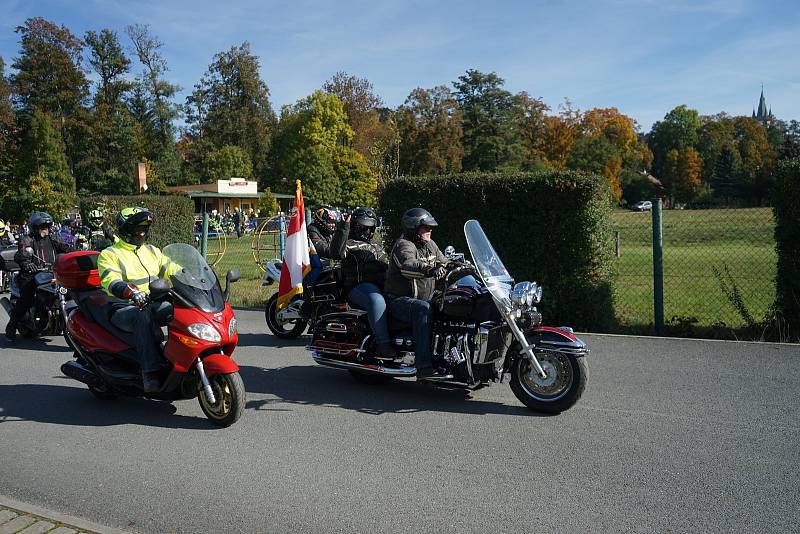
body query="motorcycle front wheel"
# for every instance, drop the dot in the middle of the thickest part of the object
(229, 399)
(282, 329)
(564, 385)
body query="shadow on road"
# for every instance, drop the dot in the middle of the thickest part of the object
(268, 340)
(75, 406)
(319, 386)
(42, 344)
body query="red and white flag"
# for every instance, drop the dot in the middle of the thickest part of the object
(296, 260)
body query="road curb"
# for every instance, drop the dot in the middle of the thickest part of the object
(67, 520)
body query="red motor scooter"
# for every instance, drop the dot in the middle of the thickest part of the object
(201, 335)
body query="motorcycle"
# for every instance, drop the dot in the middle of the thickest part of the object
(484, 327)
(323, 297)
(44, 317)
(201, 335)
(7, 266)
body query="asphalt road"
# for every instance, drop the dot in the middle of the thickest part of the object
(670, 436)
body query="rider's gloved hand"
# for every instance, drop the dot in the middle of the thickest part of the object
(136, 295)
(29, 268)
(437, 272)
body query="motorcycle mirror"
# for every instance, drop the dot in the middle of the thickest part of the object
(28, 251)
(158, 287)
(232, 276)
(449, 250)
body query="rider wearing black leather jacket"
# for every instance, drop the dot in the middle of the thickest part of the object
(363, 269)
(320, 231)
(45, 250)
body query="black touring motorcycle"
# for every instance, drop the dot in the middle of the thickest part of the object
(484, 327)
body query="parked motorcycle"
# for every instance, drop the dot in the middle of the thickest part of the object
(201, 335)
(44, 317)
(484, 327)
(7, 266)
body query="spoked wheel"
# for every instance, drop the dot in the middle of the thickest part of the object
(371, 379)
(229, 398)
(282, 329)
(564, 385)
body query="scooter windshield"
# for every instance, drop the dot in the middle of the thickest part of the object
(490, 268)
(195, 279)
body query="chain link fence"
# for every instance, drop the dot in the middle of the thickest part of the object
(719, 268)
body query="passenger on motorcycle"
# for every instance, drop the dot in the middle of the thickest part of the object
(415, 265)
(320, 231)
(363, 269)
(98, 233)
(126, 270)
(45, 248)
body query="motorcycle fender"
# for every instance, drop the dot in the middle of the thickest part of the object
(219, 364)
(558, 339)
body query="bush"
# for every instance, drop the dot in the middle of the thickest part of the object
(173, 216)
(548, 226)
(787, 238)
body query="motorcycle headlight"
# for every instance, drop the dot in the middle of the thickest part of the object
(232, 327)
(526, 294)
(204, 331)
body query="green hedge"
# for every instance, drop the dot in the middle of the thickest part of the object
(173, 216)
(787, 238)
(550, 226)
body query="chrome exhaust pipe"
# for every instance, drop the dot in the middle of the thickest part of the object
(367, 368)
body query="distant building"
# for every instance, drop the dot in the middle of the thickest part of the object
(763, 114)
(226, 195)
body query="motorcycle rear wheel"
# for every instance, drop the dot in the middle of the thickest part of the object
(559, 391)
(229, 399)
(280, 329)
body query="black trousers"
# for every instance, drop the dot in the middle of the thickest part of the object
(27, 292)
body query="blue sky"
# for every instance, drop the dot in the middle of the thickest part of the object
(643, 57)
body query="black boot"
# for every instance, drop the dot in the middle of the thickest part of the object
(385, 350)
(150, 382)
(11, 330)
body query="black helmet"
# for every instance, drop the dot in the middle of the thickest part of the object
(363, 222)
(95, 219)
(416, 217)
(39, 220)
(129, 219)
(326, 217)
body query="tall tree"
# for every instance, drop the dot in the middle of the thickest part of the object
(491, 138)
(716, 132)
(46, 179)
(374, 132)
(530, 116)
(726, 176)
(791, 142)
(229, 162)
(230, 107)
(153, 104)
(430, 129)
(9, 141)
(758, 158)
(683, 171)
(678, 130)
(49, 75)
(109, 61)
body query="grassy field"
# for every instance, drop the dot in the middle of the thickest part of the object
(238, 253)
(696, 243)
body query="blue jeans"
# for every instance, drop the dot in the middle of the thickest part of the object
(368, 297)
(143, 327)
(418, 313)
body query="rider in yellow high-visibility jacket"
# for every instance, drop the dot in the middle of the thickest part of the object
(126, 270)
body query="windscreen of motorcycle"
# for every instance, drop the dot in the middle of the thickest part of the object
(196, 280)
(491, 270)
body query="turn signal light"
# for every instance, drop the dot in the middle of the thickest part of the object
(186, 340)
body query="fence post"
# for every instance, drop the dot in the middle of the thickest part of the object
(282, 224)
(617, 243)
(204, 236)
(658, 268)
